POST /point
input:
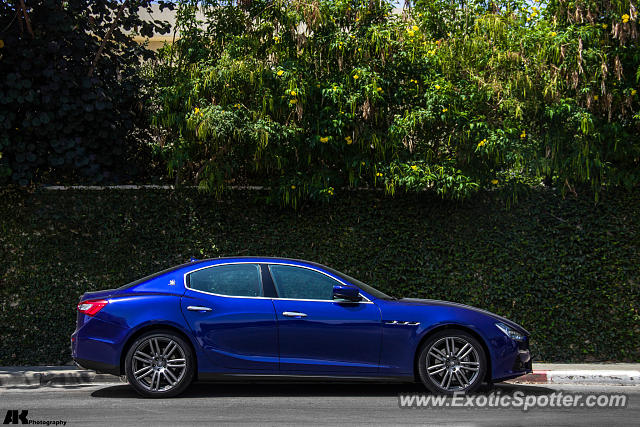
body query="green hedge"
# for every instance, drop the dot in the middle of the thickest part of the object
(567, 270)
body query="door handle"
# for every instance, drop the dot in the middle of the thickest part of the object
(198, 308)
(294, 314)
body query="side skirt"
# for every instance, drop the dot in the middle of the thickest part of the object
(218, 377)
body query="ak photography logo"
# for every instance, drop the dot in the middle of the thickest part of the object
(19, 416)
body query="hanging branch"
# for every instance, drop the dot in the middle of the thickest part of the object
(27, 21)
(106, 38)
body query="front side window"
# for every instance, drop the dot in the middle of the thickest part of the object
(233, 280)
(301, 283)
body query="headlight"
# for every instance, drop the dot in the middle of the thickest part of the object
(510, 332)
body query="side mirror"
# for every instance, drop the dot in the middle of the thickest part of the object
(346, 292)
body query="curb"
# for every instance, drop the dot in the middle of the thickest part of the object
(601, 377)
(54, 377)
(61, 376)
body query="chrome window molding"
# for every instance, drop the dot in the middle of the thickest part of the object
(366, 299)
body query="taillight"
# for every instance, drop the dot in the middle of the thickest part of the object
(91, 307)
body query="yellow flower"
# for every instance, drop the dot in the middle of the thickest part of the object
(379, 174)
(280, 72)
(237, 105)
(415, 28)
(362, 163)
(318, 85)
(352, 36)
(379, 89)
(335, 88)
(633, 92)
(481, 143)
(437, 87)
(1, 43)
(355, 77)
(625, 18)
(293, 187)
(293, 93)
(359, 49)
(411, 33)
(523, 134)
(293, 101)
(494, 181)
(553, 34)
(276, 38)
(595, 97)
(444, 110)
(197, 110)
(604, 26)
(349, 140)
(324, 139)
(414, 167)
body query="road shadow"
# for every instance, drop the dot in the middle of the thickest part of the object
(296, 389)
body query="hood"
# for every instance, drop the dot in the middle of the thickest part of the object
(504, 320)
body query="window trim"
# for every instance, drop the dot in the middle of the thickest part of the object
(365, 298)
(224, 295)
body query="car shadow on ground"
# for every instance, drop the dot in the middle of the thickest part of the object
(297, 389)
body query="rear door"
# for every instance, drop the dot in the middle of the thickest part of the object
(318, 335)
(231, 319)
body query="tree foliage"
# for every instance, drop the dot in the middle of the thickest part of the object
(70, 88)
(307, 97)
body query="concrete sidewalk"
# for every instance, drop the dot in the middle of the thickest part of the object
(627, 374)
(583, 373)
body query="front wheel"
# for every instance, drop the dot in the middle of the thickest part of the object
(452, 361)
(159, 364)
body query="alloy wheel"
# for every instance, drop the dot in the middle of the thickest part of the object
(452, 363)
(158, 364)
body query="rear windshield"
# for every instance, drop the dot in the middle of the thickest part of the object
(152, 276)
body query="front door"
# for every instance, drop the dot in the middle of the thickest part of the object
(318, 335)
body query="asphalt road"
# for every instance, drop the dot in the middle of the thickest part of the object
(298, 404)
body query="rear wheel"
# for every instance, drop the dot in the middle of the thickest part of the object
(159, 364)
(452, 361)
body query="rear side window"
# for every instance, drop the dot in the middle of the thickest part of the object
(242, 280)
(302, 283)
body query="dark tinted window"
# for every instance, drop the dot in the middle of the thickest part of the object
(233, 279)
(302, 283)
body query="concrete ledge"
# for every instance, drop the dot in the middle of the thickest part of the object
(45, 376)
(600, 377)
(39, 376)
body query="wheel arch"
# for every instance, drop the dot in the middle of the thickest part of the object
(157, 327)
(452, 326)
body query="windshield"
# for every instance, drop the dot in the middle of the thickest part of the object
(368, 289)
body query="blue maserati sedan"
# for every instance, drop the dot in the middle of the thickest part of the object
(256, 317)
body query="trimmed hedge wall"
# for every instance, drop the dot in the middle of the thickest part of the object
(567, 270)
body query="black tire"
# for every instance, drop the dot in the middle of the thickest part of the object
(164, 375)
(461, 377)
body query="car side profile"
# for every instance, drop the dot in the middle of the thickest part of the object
(257, 317)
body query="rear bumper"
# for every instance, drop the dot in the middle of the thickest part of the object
(97, 345)
(100, 367)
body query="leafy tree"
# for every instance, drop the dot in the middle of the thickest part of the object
(69, 88)
(308, 97)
